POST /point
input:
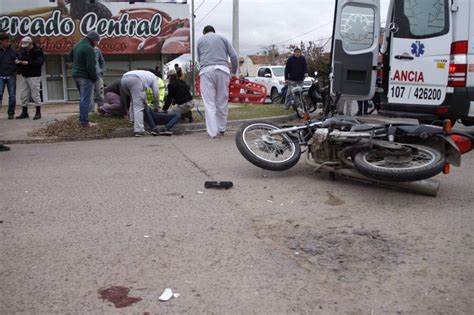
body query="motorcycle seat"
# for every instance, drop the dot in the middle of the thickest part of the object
(296, 89)
(367, 127)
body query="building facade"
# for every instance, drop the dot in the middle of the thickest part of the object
(134, 35)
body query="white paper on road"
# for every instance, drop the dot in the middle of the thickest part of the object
(166, 295)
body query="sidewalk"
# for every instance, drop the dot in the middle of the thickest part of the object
(18, 130)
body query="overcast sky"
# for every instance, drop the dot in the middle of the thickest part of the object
(264, 23)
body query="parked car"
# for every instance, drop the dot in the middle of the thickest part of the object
(272, 77)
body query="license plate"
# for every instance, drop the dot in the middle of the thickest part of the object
(412, 94)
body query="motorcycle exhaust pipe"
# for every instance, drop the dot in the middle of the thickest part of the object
(428, 187)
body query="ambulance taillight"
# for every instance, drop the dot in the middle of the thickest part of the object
(458, 64)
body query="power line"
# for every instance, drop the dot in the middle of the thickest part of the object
(202, 20)
(295, 37)
(199, 6)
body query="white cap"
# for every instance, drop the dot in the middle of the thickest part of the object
(26, 41)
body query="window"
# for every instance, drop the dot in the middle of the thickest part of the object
(421, 19)
(261, 72)
(279, 71)
(357, 27)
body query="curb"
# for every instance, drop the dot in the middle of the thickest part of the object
(180, 129)
(232, 125)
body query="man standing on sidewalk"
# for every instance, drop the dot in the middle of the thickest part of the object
(100, 68)
(296, 70)
(213, 52)
(8, 55)
(84, 73)
(29, 66)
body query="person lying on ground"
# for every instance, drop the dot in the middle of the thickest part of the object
(154, 117)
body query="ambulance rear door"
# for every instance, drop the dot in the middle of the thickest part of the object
(420, 44)
(355, 48)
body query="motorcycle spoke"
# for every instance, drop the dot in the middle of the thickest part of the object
(417, 160)
(269, 147)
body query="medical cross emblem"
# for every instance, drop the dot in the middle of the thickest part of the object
(417, 48)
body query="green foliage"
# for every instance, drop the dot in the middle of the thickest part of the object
(317, 59)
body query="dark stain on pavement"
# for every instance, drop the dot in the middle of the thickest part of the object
(333, 200)
(118, 296)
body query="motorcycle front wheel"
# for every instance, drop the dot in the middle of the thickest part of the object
(277, 152)
(416, 163)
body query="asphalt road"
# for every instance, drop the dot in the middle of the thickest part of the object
(78, 217)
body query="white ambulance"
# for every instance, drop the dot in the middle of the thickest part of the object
(427, 49)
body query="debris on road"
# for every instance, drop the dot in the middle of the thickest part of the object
(216, 184)
(166, 295)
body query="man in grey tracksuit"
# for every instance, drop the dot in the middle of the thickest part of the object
(100, 68)
(213, 52)
(134, 84)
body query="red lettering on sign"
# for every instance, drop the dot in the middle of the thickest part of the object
(408, 76)
(421, 78)
(396, 77)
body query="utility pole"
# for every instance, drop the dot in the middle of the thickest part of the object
(193, 61)
(235, 27)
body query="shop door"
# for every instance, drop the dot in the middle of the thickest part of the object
(54, 81)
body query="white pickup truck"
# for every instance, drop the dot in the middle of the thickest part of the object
(272, 77)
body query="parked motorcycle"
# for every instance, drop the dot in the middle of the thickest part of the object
(305, 100)
(384, 152)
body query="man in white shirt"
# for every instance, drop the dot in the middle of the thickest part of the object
(213, 52)
(134, 84)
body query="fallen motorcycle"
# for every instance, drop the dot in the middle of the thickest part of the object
(381, 152)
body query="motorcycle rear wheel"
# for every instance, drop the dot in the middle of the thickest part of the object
(271, 152)
(301, 109)
(423, 162)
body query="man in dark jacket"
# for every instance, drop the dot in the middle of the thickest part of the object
(179, 96)
(29, 66)
(296, 70)
(84, 73)
(8, 55)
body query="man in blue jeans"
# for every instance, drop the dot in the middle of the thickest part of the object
(153, 118)
(8, 55)
(84, 73)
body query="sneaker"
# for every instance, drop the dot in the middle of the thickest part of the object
(154, 133)
(221, 133)
(37, 116)
(4, 148)
(165, 132)
(23, 116)
(141, 134)
(11, 116)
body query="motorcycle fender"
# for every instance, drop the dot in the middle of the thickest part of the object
(452, 153)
